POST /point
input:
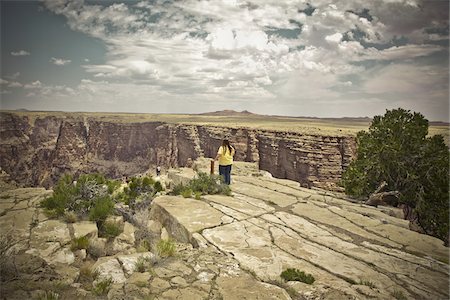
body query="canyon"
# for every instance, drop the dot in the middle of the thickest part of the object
(36, 149)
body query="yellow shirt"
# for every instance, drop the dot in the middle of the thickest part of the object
(226, 158)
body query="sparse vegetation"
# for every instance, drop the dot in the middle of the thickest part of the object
(70, 217)
(396, 150)
(291, 274)
(143, 264)
(367, 283)
(110, 229)
(48, 295)
(139, 188)
(80, 243)
(102, 286)
(144, 246)
(165, 248)
(203, 184)
(397, 294)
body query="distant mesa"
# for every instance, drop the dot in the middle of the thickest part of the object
(228, 112)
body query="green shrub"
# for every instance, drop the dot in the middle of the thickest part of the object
(291, 274)
(158, 187)
(203, 184)
(103, 207)
(396, 150)
(63, 193)
(198, 196)
(102, 287)
(186, 193)
(178, 189)
(112, 185)
(143, 264)
(165, 248)
(110, 229)
(80, 243)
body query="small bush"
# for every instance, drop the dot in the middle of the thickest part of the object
(110, 229)
(198, 196)
(144, 246)
(204, 184)
(63, 193)
(48, 295)
(103, 207)
(186, 193)
(399, 295)
(80, 243)
(143, 264)
(165, 248)
(102, 287)
(70, 217)
(158, 186)
(297, 275)
(87, 274)
(367, 283)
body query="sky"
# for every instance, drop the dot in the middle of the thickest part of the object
(344, 58)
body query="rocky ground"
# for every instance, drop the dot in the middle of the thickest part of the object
(227, 248)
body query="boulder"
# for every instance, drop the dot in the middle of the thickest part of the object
(85, 228)
(128, 262)
(109, 267)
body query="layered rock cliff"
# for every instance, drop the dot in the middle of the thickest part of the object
(37, 150)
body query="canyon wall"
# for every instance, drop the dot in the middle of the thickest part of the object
(36, 151)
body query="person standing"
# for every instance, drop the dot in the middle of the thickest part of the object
(225, 156)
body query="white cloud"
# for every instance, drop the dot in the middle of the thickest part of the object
(212, 51)
(34, 85)
(60, 61)
(15, 84)
(20, 53)
(3, 81)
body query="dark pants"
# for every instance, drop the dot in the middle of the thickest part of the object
(225, 171)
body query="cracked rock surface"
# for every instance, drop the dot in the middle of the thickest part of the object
(227, 248)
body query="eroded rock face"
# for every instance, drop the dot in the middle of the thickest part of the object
(36, 151)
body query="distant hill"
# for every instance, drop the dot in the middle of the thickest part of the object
(228, 112)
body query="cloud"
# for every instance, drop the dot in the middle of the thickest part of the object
(34, 85)
(15, 84)
(20, 53)
(214, 51)
(60, 61)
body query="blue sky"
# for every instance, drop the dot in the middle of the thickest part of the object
(325, 59)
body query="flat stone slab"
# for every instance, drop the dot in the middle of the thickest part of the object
(271, 197)
(183, 216)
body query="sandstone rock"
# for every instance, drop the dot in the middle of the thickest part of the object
(158, 285)
(109, 267)
(164, 234)
(185, 294)
(66, 274)
(171, 212)
(181, 176)
(172, 269)
(85, 228)
(97, 247)
(154, 227)
(116, 292)
(246, 287)
(50, 231)
(140, 279)
(127, 236)
(128, 262)
(178, 282)
(200, 240)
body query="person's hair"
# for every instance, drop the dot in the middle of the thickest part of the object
(226, 144)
